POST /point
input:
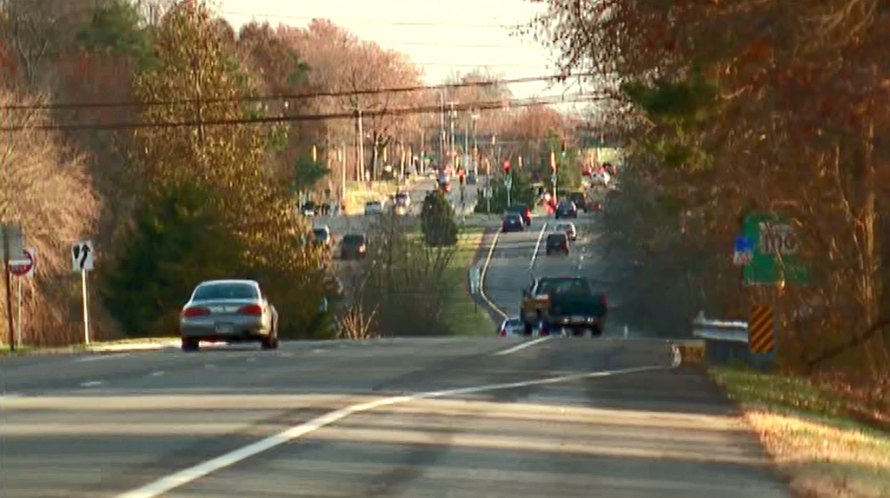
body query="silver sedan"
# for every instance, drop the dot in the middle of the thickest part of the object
(228, 311)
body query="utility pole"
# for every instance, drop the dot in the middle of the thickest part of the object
(422, 149)
(360, 164)
(342, 157)
(441, 130)
(451, 123)
(467, 142)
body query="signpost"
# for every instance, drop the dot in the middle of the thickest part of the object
(508, 182)
(22, 268)
(743, 251)
(82, 260)
(774, 245)
(11, 242)
(769, 250)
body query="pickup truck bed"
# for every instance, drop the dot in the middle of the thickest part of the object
(563, 303)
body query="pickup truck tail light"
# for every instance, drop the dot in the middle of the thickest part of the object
(251, 309)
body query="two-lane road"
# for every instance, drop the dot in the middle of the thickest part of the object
(434, 417)
(454, 417)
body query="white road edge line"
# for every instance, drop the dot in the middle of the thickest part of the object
(92, 383)
(522, 346)
(484, 271)
(178, 479)
(531, 264)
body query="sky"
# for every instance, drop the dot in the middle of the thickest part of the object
(442, 37)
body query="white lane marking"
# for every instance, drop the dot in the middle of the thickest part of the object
(531, 264)
(156, 373)
(102, 357)
(185, 476)
(251, 359)
(520, 347)
(92, 383)
(484, 271)
(209, 366)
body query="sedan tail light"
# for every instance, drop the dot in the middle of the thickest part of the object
(195, 311)
(604, 301)
(251, 309)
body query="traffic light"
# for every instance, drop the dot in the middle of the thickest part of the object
(507, 167)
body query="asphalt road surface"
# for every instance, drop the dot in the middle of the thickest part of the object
(451, 417)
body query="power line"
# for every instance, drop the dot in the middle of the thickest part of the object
(296, 96)
(374, 21)
(403, 111)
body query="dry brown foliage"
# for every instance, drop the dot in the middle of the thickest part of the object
(45, 188)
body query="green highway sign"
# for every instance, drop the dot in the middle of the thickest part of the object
(775, 256)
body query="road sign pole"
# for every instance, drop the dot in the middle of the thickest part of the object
(18, 321)
(86, 314)
(6, 246)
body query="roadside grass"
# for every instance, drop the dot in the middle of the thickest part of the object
(462, 316)
(94, 347)
(806, 430)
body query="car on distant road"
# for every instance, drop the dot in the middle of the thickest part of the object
(568, 228)
(510, 327)
(580, 200)
(308, 208)
(228, 311)
(373, 208)
(512, 223)
(403, 199)
(323, 235)
(566, 209)
(354, 246)
(601, 179)
(523, 211)
(554, 303)
(557, 243)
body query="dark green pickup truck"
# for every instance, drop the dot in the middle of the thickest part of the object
(563, 302)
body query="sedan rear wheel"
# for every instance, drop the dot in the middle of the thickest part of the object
(189, 344)
(270, 342)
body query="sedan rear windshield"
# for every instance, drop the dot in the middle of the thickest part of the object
(225, 291)
(354, 240)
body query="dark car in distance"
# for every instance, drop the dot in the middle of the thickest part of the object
(557, 242)
(579, 199)
(512, 223)
(354, 246)
(566, 209)
(523, 211)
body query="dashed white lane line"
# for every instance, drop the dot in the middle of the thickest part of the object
(156, 373)
(98, 357)
(520, 347)
(185, 476)
(92, 383)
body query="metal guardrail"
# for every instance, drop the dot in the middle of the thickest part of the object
(727, 342)
(719, 330)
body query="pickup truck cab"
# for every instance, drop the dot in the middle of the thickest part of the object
(563, 302)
